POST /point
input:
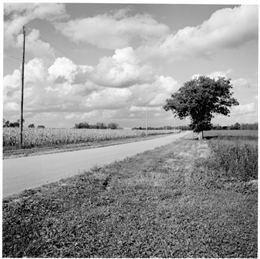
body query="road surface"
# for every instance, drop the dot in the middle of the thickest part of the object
(30, 172)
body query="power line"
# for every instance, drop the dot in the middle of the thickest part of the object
(13, 20)
(44, 40)
(12, 57)
(55, 47)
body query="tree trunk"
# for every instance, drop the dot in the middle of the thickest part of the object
(200, 135)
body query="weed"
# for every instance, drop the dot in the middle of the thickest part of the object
(237, 159)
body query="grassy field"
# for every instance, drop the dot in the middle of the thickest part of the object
(229, 133)
(175, 201)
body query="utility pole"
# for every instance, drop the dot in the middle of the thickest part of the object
(146, 119)
(21, 119)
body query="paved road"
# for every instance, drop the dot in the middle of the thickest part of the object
(30, 172)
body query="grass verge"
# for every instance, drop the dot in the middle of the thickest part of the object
(161, 203)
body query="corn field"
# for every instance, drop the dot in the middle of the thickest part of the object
(53, 137)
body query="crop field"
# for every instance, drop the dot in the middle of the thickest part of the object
(226, 133)
(53, 137)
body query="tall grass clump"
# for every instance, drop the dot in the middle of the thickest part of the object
(236, 159)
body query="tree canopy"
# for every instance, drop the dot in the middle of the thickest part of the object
(199, 99)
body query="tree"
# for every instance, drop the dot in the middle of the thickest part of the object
(112, 125)
(101, 125)
(82, 125)
(236, 126)
(14, 124)
(6, 124)
(199, 99)
(31, 126)
(40, 127)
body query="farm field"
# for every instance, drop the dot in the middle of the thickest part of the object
(54, 137)
(180, 200)
(46, 141)
(226, 133)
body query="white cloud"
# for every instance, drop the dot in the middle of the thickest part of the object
(241, 83)
(34, 71)
(35, 46)
(155, 93)
(63, 67)
(12, 81)
(90, 115)
(11, 90)
(47, 11)
(243, 109)
(236, 83)
(46, 95)
(12, 106)
(23, 13)
(217, 74)
(71, 116)
(122, 70)
(138, 109)
(113, 31)
(108, 98)
(226, 28)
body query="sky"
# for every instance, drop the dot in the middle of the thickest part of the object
(114, 62)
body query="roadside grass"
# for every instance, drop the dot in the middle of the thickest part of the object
(237, 159)
(173, 201)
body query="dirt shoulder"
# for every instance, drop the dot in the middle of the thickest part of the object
(155, 204)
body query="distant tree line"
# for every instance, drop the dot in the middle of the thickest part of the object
(16, 124)
(33, 126)
(163, 128)
(238, 126)
(99, 125)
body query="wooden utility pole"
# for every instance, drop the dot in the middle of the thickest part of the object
(21, 119)
(146, 120)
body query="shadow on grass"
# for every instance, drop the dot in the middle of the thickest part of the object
(210, 137)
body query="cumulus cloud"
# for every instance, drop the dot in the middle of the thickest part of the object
(34, 71)
(64, 68)
(226, 28)
(236, 83)
(122, 70)
(215, 75)
(46, 11)
(11, 106)
(243, 109)
(12, 81)
(108, 90)
(34, 74)
(155, 93)
(22, 13)
(43, 94)
(113, 31)
(135, 108)
(36, 46)
(241, 83)
(108, 98)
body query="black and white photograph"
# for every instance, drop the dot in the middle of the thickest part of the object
(130, 129)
